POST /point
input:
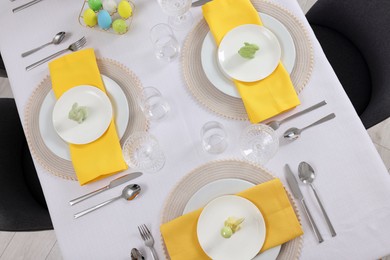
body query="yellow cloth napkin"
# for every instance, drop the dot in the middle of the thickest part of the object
(265, 98)
(270, 197)
(102, 157)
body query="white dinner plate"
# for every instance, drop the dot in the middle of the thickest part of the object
(245, 243)
(99, 114)
(58, 146)
(264, 61)
(219, 188)
(220, 81)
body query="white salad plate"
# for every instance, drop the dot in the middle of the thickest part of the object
(264, 61)
(99, 114)
(223, 83)
(219, 188)
(58, 146)
(245, 243)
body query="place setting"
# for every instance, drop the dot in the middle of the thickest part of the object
(69, 127)
(220, 210)
(210, 77)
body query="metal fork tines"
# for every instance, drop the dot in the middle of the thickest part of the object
(148, 239)
(73, 47)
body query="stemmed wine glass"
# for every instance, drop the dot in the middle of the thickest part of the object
(178, 11)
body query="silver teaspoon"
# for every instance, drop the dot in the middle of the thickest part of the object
(307, 175)
(130, 192)
(293, 133)
(56, 40)
(136, 254)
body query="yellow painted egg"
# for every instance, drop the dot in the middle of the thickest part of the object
(90, 17)
(124, 9)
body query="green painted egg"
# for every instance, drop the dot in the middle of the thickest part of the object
(119, 26)
(95, 5)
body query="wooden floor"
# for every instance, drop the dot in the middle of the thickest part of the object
(43, 245)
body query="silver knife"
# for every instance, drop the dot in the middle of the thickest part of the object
(293, 184)
(113, 183)
(199, 3)
(17, 9)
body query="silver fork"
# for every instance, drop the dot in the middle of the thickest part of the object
(73, 47)
(148, 239)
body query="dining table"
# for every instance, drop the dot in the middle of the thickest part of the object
(352, 180)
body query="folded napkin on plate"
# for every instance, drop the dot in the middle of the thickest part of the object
(265, 98)
(270, 197)
(102, 157)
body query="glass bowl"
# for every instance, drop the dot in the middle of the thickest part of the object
(142, 151)
(258, 143)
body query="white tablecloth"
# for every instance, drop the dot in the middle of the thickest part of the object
(352, 180)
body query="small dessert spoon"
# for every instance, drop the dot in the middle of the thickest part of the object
(56, 40)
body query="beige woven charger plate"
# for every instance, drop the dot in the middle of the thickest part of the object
(231, 107)
(217, 170)
(131, 87)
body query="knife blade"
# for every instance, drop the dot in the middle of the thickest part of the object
(112, 184)
(199, 3)
(296, 191)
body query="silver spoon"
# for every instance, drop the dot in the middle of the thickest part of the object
(56, 40)
(276, 124)
(136, 254)
(129, 193)
(293, 133)
(307, 175)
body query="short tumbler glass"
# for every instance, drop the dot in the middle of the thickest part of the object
(166, 46)
(214, 137)
(153, 104)
(258, 143)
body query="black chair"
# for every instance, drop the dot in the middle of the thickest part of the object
(22, 203)
(3, 72)
(355, 35)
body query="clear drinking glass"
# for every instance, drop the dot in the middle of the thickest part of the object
(166, 46)
(153, 104)
(214, 137)
(258, 143)
(142, 151)
(178, 13)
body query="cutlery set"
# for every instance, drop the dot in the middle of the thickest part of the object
(77, 45)
(307, 175)
(130, 192)
(276, 124)
(306, 172)
(58, 38)
(294, 133)
(112, 184)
